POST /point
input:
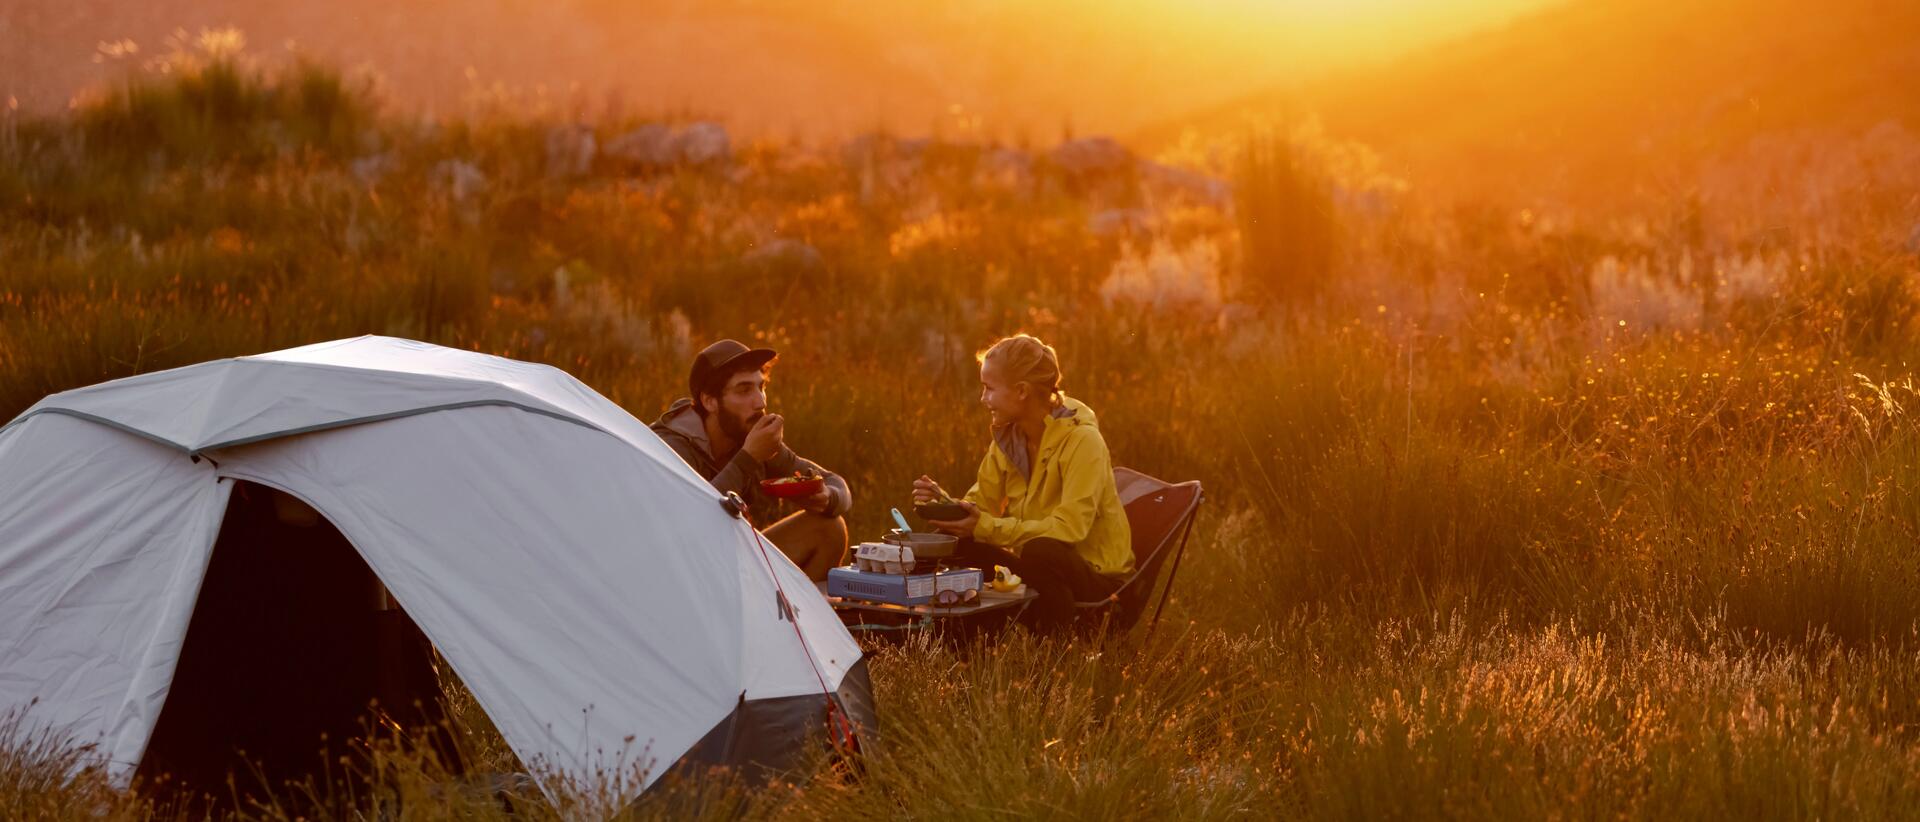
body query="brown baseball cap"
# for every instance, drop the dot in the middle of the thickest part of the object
(725, 357)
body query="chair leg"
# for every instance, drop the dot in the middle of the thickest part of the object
(1175, 570)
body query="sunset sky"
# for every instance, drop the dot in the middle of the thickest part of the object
(781, 65)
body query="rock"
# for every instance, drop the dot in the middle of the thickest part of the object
(650, 145)
(1005, 167)
(914, 148)
(570, 150)
(656, 145)
(1371, 202)
(459, 178)
(885, 164)
(1181, 183)
(1121, 221)
(883, 149)
(702, 143)
(372, 169)
(1092, 157)
(784, 254)
(864, 148)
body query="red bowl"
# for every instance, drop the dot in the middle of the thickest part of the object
(787, 490)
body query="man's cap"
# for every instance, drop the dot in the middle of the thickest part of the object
(723, 358)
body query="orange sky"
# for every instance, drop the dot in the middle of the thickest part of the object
(1014, 67)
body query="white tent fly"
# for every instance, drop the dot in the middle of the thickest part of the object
(598, 598)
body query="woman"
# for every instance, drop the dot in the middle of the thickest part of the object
(1044, 503)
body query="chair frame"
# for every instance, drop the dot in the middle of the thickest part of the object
(1177, 537)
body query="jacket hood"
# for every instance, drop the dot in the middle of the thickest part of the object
(1072, 412)
(1012, 442)
(681, 419)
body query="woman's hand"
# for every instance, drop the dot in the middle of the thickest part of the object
(925, 490)
(960, 527)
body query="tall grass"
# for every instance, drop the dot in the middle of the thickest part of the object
(46, 776)
(1288, 229)
(1515, 509)
(219, 107)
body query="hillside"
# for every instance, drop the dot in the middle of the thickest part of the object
(783, 66)
(1592, 93)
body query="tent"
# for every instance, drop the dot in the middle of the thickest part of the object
(602, 602)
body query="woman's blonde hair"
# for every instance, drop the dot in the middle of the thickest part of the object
(1024, 358)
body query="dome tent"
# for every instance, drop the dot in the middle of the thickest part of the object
(594, 593)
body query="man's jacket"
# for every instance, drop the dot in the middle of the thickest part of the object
(684, 432)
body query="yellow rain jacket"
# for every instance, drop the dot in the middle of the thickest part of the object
(1069, 495)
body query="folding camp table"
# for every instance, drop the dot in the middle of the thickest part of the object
(1160, 515)
(891, 617)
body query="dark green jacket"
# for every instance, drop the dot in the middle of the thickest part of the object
(684, 432)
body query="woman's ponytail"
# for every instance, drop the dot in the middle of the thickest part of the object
(1024, 358)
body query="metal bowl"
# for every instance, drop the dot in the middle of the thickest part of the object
(925, 546)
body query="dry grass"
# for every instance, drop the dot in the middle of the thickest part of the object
(1520, 510)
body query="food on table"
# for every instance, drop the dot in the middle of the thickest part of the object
(1004, 579)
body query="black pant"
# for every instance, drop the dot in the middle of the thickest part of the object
(1052, 568)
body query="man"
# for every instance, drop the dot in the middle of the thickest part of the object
(723, 430)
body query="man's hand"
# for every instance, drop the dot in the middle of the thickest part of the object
(767, 437)
(817, 503)
(960, 527)
(925, 490)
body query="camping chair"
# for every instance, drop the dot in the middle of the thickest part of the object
(1160, 514)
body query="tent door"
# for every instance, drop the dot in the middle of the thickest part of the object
(294, 647)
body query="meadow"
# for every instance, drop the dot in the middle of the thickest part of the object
(1592, 504)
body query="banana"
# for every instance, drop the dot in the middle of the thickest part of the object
(1004, 579)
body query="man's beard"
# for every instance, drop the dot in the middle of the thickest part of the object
(736, 427)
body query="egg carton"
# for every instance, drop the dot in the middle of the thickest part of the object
(882, 558)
